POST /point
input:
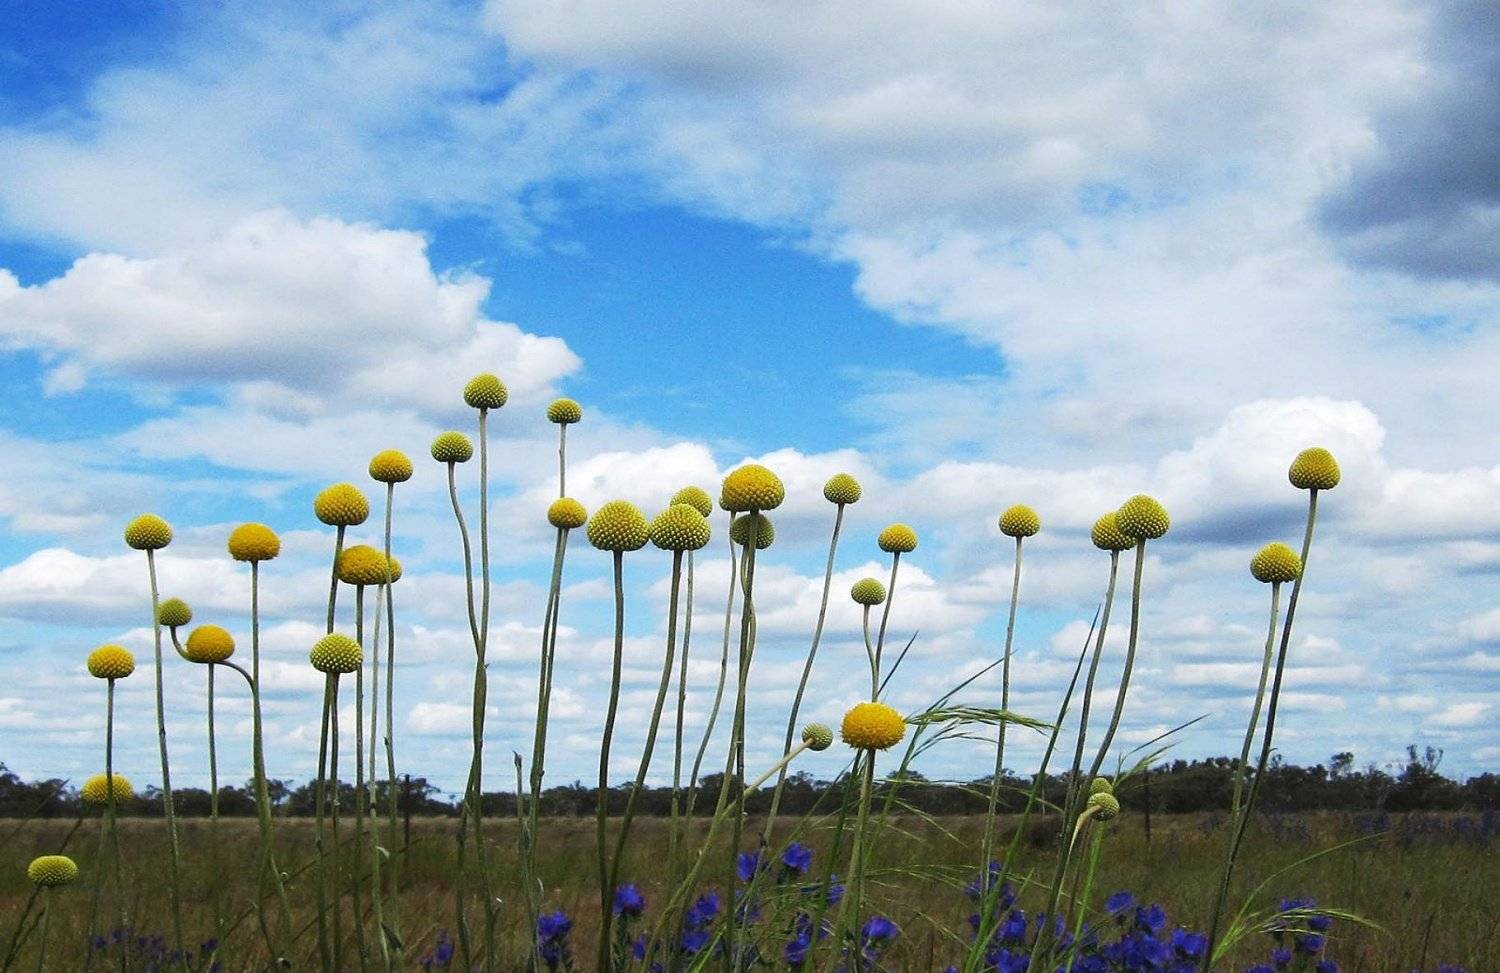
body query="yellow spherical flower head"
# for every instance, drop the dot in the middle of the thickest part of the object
(1106, 534)
(1142, 518)
(841, 489)
(1019, 521)
(567, 513)
(765, 531)
(817, 736)
(52, 871)
(867, 592)
(390, 466)
(452, 447)
(872, 726)
(96, 790)
(1105, 805)
(173, 613)
(253, 542)
(898, 539)
(618, 526)
(363, 565)
(564, 412)
(208, 643)
(1276, 563)
(341, 505)
(680, 528)
(111, 662)
(148, 532)
(336, 653)
(1314, 469)
(751, 487)
(695, 497)
(485, 392)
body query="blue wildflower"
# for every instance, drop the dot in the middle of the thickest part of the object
(797, 858)
(747, 864)
(629, 902)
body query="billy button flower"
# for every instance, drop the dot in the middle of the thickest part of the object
(341, 505)
(618, 526)
(695, 497)
(842, 489)
(148, 532)
(1107, 535)
(867, 592)
(208, 644)
(565, 513)
(334, 655)
(680, 527)
(1314, 469)
(47, 872)
(363, 565)
(452, 447)
(765, 531)
(98, 789)
(390, 466)
(174, 613)
(817, 736)
(751, 487)
(253, 543)
(111, 662)
(1275, 564)
(868, 728)
(699, 500)
(1019, 521)
(108, 662)
(897, 539)
(564, 412)
(872, 726)
(485, 391)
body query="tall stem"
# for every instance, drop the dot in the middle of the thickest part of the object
(853, 898)
(467, 808)
(713, 711)
(175, 865)
(885, 614)
(481, 690)
(987, 844)
(358, 868)
(1135, 628)
(1075, 784)
(394, 913)
(262, 794)
(674, 838)
(737, 736)
(605, 912)
(562, 459)
(528, 834)
(320, 803)
(338, 799)
(1260, 693)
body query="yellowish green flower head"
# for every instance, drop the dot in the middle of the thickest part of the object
(173, 613)
(1020, 521)
(253, 542)
(341, 505)
(1105, 805)
(52, 871)
(842, 489)
(1276, 563)
(567, 514)
(680, 528)
(485, 392)
(1101, 785)
(751, 487)
(395, 570)
(336, 654)
(208, 643)
(564, 412)
(765, 531)
(148, 532)
(872, 726)
(817, 736)
(1314, 469)
(1142, 518)
(867, 592)
(363, 565)
(452, 447)
(898, 539)
(1107, 536)
(96, 790)
(111, 662)
(618, 526)
(695, 497)
(390, 466)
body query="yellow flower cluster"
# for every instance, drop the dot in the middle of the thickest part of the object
(485, 392)
(1104, 804)
(1107, 536)
(1020, 521)
(867, 592)
(253, 542)
(1142, 518)
(111, 662)
(341, 505)
(1314, 469)
(842, 489)
(96, 790)
(52, 871)
(695, 497)
(751, 487)
(173, 613)
(208, 643)
(452, 447)
(364, 565)
(390, 466)
(148, 532)
(564, 412)
(1276, 563)
(618, 526)
(680, 528)
(567, 513)
(898, 539)
(336, 654)
(872, 726)
(817, 736)
(765, 531)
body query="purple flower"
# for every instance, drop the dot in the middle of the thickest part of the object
(747, 864)
(1118, 903)
(629, 902)
(797, 858)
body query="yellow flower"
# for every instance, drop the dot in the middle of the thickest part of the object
(1019, 521)
(751, 487)
(1105, 805)
(1101, 785)
(96, 789)
(52, 871)
(341, 505)
(841, 489)
(336, 653)
(564, 412)
(111, 662)
(618, 526)
(390, 466)
(867, 592)
(148, 532)
(1142, 518)
(1106, 534)
(817, 736)
(253, 542)
(765, 531)
(1276, 563)
(567, 513)
(173, 613)
(872, 726)
(209, 643)
(452, 447)
(695, 497)
(1314, 469)
(898, 539)
(363, 565)
(485, 392)
(680, 528)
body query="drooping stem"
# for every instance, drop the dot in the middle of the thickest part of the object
(987, 844)
(1075, 784)
(175, 864)
(605, 912)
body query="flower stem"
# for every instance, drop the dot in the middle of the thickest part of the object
(853, 900)
(674, 837)
(528, 834)
(467, 808)
(1260, 693)
(481, 690)
(987, 844)
(320, 802)
(1075, 784)
(605, 912)
(737, 735)
(360, 949)
(713, 712)
(1135, 628)
(258, 759)
(41, 956)
(175, 865)
(885, 615)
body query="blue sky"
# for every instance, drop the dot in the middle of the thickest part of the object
(1020, 257)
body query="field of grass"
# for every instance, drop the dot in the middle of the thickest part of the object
(1433, 893)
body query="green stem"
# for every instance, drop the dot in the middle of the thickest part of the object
(466, 810)
(361, 952)
(674, 838)
(1260, 692)
(885, 614)
(1135, 628)
(853, 900)
(41, 956)
(528, 834)
(393, 933)
(737, 735)
(213, 810)
(713, 711)
(175, 865)
(1077, 786)
(338, 800)
(1080, 902)
(320, 801)
(481, 690)
(262, 794)
(870, 655)
(605, 912)
(987, 844)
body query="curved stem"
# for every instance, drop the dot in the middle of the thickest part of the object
(166, 770)
(713, 712)
(605, 912)
(1260, 693)
(1076, 786)
(988, 841)
(1135, 628)
(870, 655)
(393, 933)
(885, 615)
(467, 808)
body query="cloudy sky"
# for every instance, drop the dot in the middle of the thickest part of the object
(974, 254)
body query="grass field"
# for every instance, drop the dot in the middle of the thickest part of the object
(1433, 892)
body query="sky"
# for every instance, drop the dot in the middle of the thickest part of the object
(974, 254)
